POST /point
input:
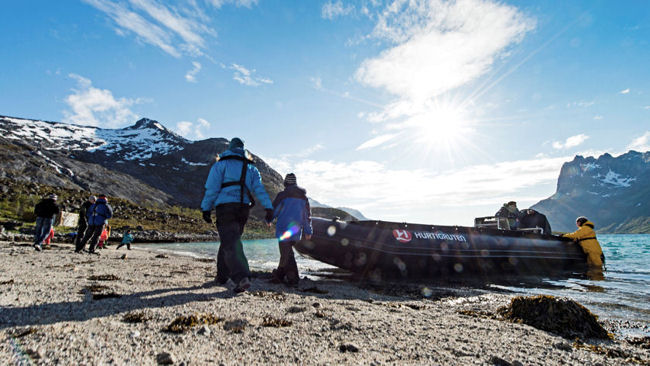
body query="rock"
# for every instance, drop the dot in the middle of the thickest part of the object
(564, 317)
(499, 361)
(563, 346)
(205, 330)
(165, 358)
(135, 334)
(348, 348)
(123, 256)
(161, 256)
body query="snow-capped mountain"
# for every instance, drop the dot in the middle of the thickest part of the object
(614, 192)
(145, 163)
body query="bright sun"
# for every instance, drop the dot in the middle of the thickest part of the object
(441, 124)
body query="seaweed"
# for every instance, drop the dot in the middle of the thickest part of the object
(161, 256)
(184, 323)
(564, 317)
(296, 309)
(203, 260)
(278, 296)
(94, 288)
(108, 277)
(269, 321)
(136, 317)
(19, 333)
(108, 295)
(612, 352)
(8, 282)
(643, 342)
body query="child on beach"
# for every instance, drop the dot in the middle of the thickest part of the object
(49, 238)
(291, 208)
(127, 239)
(104, 237)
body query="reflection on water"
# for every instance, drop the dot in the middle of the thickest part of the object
(621, 292)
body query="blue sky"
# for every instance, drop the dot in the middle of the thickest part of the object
(427, 111)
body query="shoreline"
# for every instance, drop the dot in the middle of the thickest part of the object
(58, 306)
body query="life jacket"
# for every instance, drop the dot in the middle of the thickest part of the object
(242, 179)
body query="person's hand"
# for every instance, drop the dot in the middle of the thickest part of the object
(269, 216)
(207, 216)
(307, 236)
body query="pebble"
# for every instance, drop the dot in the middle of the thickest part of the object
(165, 358)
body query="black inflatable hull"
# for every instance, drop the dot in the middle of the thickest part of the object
(380, 249)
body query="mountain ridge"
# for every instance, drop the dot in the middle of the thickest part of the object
(613, 192)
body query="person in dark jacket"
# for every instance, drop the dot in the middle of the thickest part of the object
(46, 210)
(82, 223)
(291, 208)
(511, 212)
(228, 190)
(98, 214)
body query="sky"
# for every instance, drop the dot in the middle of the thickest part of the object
(424, 111)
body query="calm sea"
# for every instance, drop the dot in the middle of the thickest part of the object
(622, 294)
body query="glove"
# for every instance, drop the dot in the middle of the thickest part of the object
(207, 216)
(269, 215)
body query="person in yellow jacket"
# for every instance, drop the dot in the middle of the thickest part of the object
(586, 237)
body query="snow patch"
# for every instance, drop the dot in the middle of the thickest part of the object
(616, 180)
(192, 163)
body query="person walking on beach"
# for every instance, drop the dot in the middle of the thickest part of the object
(45, 211)
(97, 215)
(586, 237)
(228, 190)
(82, 223)
(127, 239)
(291, 208)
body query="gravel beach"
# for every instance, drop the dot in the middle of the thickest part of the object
(57, 307)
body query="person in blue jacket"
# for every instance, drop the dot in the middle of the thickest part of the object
(97, 214)
(229, 189)
(291, 207)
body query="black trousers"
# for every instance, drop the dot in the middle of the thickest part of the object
(231, 260)
(81, 231)
(287, 266)
(92, 233)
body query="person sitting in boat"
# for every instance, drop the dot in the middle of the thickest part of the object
(586, 237)
(530, 218)
(510, 212)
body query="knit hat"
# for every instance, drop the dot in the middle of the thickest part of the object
(235, 143)
(581, 220)
(52, 196)
(92, 199)
(103, 196)
(290, 180)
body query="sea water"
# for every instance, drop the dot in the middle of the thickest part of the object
(623, 292)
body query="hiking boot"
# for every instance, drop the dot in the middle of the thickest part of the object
(93, 252)
(243, 285)
(221, 280)
(38, 247)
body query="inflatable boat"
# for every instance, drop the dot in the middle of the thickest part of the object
(380, 249)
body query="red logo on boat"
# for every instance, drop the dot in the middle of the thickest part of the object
(402, 236)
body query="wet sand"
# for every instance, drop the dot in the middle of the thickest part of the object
(57, 307)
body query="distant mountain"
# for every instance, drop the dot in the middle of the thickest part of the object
(145, 163)
(612, 192)
(344, 213)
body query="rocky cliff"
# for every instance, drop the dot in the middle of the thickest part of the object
(613, 192)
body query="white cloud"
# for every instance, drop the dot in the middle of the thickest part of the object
(316, 82)
(190, 76)
(379, 190)
(332, 10)
(97, 107)
(581, 104)
(625, 91)
(376, 141)
(178, 29)
(245, 76)
(641, 143)
(570, 142)
(192, 130)
(244, 3)
(647, 107)
(440, 46)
